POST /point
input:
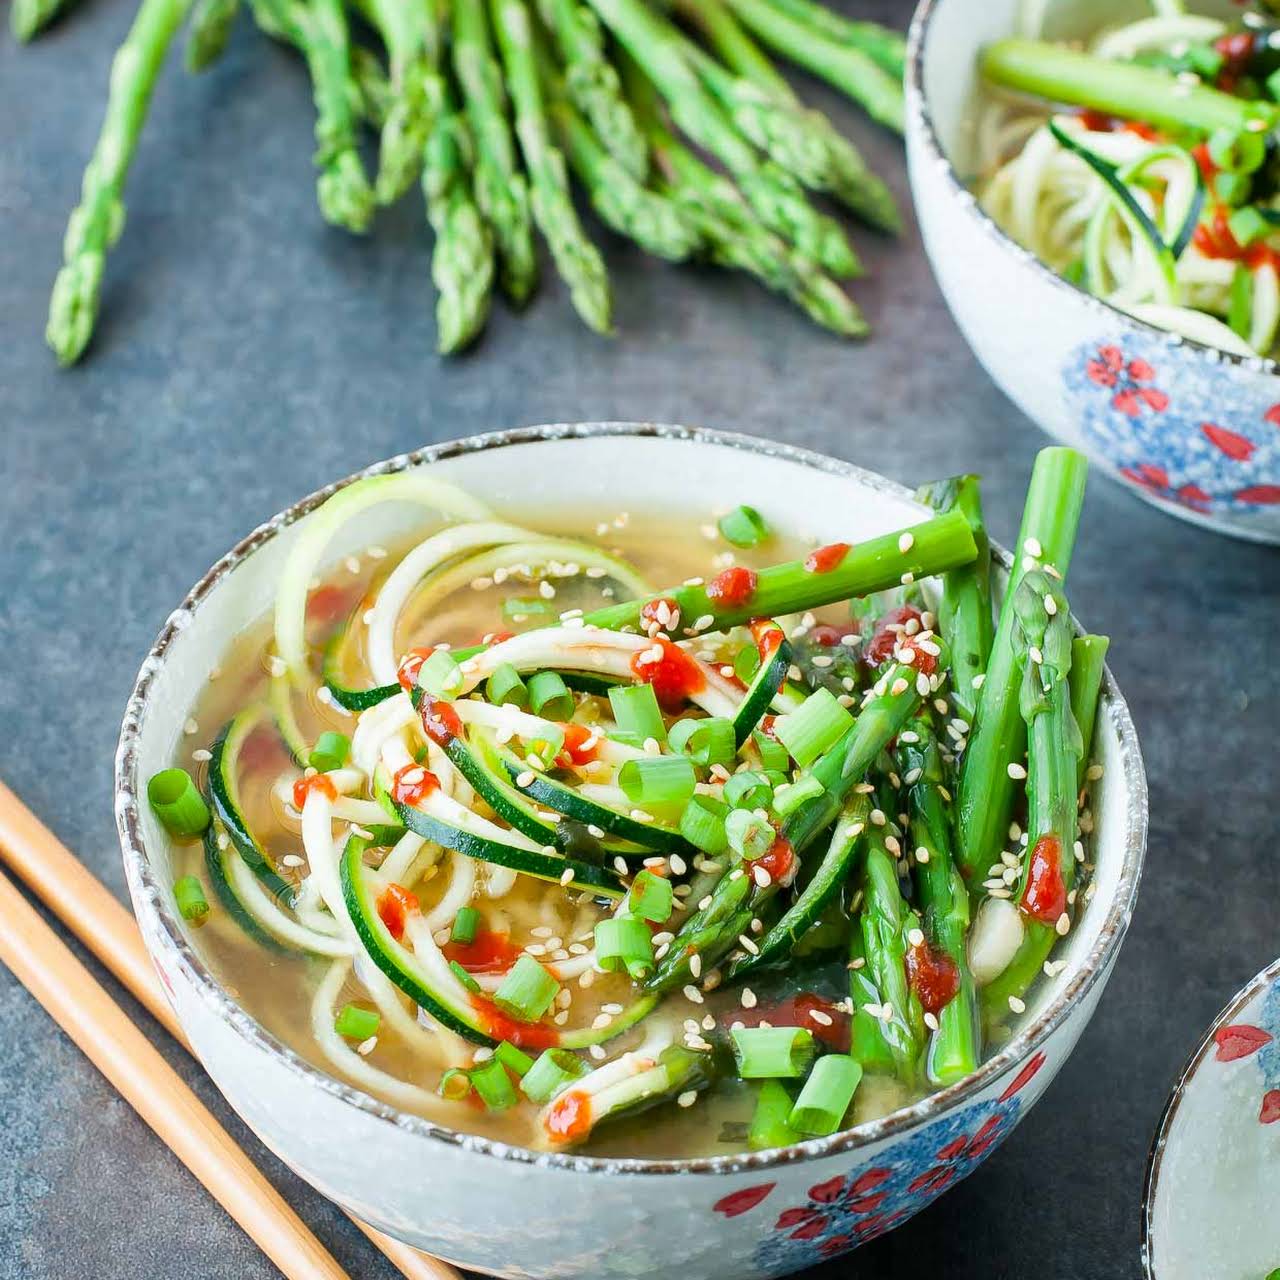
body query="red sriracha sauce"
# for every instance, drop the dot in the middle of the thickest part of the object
(1214, 240)
(395, 903)
(581, 745)
(778, 861)
(824, 559)
(496, 637)
(316, 782)
(831, 1026)
(767, 635)
(440, 721)
(526, 1035)
(733, 588)
(933, 975)
(825, 636)
(487, 952)
(413, 784)
(1045, 897)
(569, 1117)
(675, 676)
(410, 665)
(884, 639)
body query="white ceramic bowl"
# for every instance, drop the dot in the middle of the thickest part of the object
(1188, 427)
(509, 1211)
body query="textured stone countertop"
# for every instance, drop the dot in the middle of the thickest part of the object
(247, 354)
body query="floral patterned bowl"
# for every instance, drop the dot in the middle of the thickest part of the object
(731, 1216)
(1210, 1211)
(1188, 427)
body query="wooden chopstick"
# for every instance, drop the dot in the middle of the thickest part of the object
(106, 927)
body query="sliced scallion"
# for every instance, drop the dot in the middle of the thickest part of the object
(1240, 301)
(506, 687)
(454, 1084)
(331, 751)
(1237, 151)
(750, 835)
(177, 803)
(825, 1097)
(816, 724)
(658, 780)
(515, 1060)
(773, 755)
(464, 977)
(491, 1082)
(702, 824)
(744, 527)
(748, 789)
(554, 1069)
(527, 991)
(763, 1053)
(705, 741)
(624, 942)
(746, 662)
(1247, 224)
(769, 1127)
(519, 609)
(788, 797)
(356, 1023)
(465, 924)
(549, 697)
(635, 708)
(193, 906)
(651, 897)
(441, 676)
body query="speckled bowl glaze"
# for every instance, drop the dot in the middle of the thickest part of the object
(730, 1216)
(1210, 1204)
(1188, 427)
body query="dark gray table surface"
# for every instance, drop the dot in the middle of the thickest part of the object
(248, 354)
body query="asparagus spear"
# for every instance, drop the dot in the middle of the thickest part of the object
(96, 223)
(964, 615)
(867, 1043)
(998, 735)
(592, 84)
(774, 194)
(28, 18)
(955, 1047)
(207, 32)
(462, 259)
(1088, 666)
(318, 29)
(843, 173)
(1123, 89)
(501, 188)
(844, 66)
(885, 46)
(373, 89)
(578, 260)
(1043, 636)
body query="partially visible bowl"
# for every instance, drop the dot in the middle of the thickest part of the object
(1191, 428)
(509, 1211)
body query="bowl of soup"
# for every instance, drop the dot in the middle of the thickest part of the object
(1163, 371)
(533, 834)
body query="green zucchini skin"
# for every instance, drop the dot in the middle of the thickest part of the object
(226, 894)
(493, 788)
(224, 754)
(343, 695)
(761, 691)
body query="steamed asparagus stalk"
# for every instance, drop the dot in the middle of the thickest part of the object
(964, 613)
(372, 88)
(592, 84)
(1088, 667)
(1124, 89)
(998, 736)
(28, 18)
(954, 1048)
(576, 258)
(318, 29)
(208, 31)
(840, 169)
(501, 189)
(867, 1043)
(96, 223)
(773, 193)
(844, 66)
(886, 47)
(1044, 647)
(462, 265)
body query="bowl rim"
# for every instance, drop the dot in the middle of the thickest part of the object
(1190, 1069)
(149, 897)
(920, 127)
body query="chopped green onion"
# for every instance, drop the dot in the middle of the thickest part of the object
(554, 1069)
(192, 904)
(1232, 188)
(515, 1060)
(816, 724)
(826, 1095)
(746, 662)
(706, 742)
(773, 755)
(1237, 152)
(527, 991)
(491, 1082)
(356, 1023)
(748, 790)
(750, 835)
(744, 527)
(1240, 301)
(464, 977)
(788, 797)
(1247, 225)
(549, 697)
(177, 803)
(702, 824)
(441, 676)
(465, 924)
(522, 608)
(1273, 88)
(763, 1053)
(769, 1127)
(651, 897)
(628, 738)
(658, 780)
(635, 708)
(454, 1084)
(330, 752)
(506, 686)
(624, 942)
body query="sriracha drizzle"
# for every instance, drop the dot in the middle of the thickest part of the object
(675, 676)
(320, 782)
(413, 784)
(1045, 897)
(934, 976)
(395, 903)
(732, 588)
(824, 559)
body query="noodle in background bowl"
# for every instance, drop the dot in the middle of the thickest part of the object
(509, 1211)
(1193, 429)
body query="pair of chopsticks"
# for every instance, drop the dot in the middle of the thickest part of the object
(44, 964)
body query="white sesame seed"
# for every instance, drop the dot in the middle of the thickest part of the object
(692, 993)
(916, 938)
(748, 945)
(1018, 1006)
(597, 1052)
(1033, 548)
(566, 876)
(821, 1018)
(905, 542)
(899, 686)
(687, 1098)
(695, 965)
(931, 1021)
(907, 578)
(201, 755)
(1063, 926)
(190, 727)
(1093, 772)
(748, 998)
(1017, 772)
(366, 1047)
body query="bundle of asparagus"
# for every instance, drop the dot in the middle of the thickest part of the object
(495, 104)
